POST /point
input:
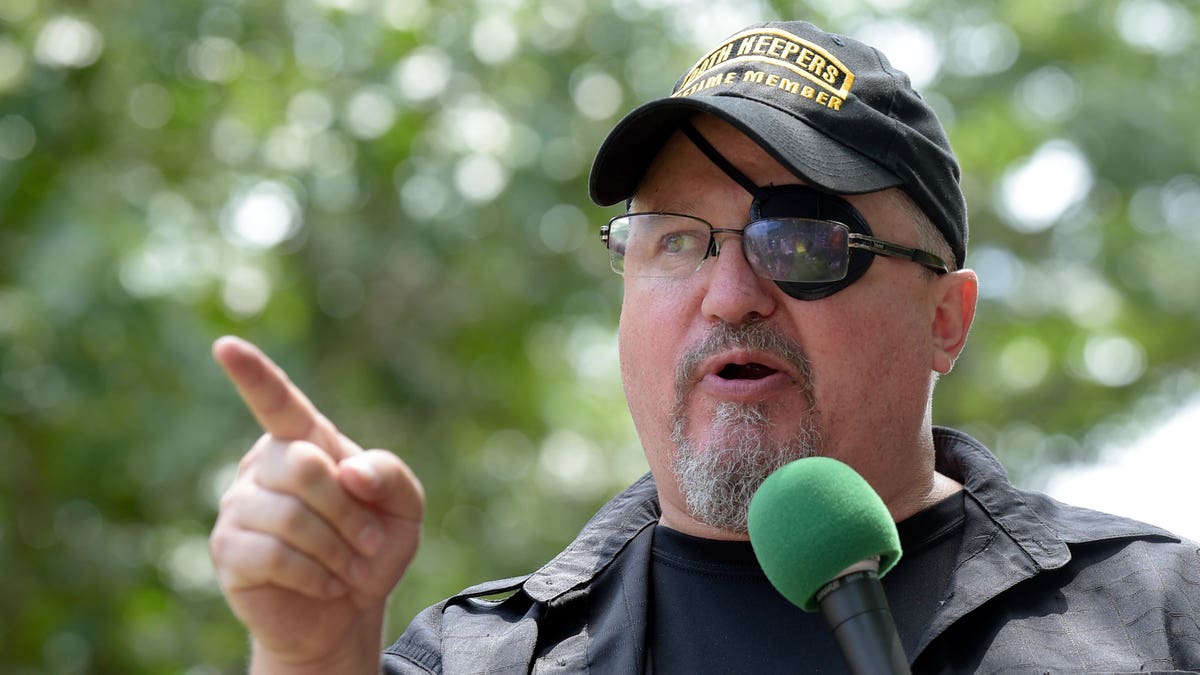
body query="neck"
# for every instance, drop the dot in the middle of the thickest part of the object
(920, 497)
(680, 520)
(904, 474)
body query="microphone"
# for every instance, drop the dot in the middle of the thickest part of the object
(824, 538)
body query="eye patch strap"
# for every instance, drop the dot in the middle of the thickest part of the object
(715, 157)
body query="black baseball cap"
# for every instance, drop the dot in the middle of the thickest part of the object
(829, 108)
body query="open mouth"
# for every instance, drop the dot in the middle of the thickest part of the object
(746, 371)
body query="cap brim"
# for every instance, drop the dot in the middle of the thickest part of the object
(814, 157)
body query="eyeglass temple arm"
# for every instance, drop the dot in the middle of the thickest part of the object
(887, 248)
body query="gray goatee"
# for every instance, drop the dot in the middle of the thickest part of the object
(719, 477)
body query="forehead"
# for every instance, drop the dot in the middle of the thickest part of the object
(681, 159)
(682, 179)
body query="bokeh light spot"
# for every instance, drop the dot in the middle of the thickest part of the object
(1090, 301)
(423, 75)
(12, 64)
(318, 51)
(563, 228)
(1181, 206)
(1024, 363)
(245, 291)
(476, 125)
(507, 455)
(908, 46)
(570, 464)
(1048, 94)
(1041, 189)
(480, 178)
(982, 50)
(262, 216)
(592, 351)
(1154, 25)
(1111, 360)
(188, 567)
(597, 95)
(494, 39)
(68, 42)
(150, 106)
(288, 148)
(370, 113)
(405, 14)
(215, 59)
(1000, 271)
(423, 196)
(232, 142)
(310, 111)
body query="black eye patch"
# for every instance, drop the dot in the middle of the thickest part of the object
(801, 201)
(795, 201)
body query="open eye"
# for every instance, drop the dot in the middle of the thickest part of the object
(680, 241)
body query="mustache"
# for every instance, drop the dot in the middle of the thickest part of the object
(755, 335)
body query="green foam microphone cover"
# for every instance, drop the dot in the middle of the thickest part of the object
(812, 519)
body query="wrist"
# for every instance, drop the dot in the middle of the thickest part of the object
(350, 663)
(358, 653)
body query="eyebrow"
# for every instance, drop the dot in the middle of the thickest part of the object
(686, 207)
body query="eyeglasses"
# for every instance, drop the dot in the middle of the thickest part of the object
(790, 250)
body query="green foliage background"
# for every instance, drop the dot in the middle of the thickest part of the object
(390, 198)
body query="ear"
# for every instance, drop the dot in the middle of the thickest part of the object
(953, 303)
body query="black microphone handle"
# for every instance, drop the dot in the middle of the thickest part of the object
(857, 611)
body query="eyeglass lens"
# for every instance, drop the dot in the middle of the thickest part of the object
(781, 249)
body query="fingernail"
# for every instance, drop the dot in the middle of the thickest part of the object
(359, 570)
(370, 539)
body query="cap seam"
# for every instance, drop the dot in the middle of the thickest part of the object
(893, 127)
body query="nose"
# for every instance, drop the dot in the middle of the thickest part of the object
(734, 293)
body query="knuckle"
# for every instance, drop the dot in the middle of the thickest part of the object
(274, 554)
(218, 545)
(292, 515)
(227, 547)
(295, 467)
(306, 464)
(333, 553)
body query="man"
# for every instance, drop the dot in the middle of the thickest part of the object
(793, 273)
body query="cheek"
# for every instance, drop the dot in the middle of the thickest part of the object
(873, 365)
(650, 335)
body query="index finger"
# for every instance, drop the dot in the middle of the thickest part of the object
(281, 409)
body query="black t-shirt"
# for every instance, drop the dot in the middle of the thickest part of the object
(714, 611)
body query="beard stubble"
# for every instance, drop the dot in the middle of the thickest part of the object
(719, 476)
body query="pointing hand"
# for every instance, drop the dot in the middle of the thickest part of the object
(314, 532)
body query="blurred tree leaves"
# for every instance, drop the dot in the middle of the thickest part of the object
(390, 198)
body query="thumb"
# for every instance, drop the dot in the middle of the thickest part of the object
(382, 480)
